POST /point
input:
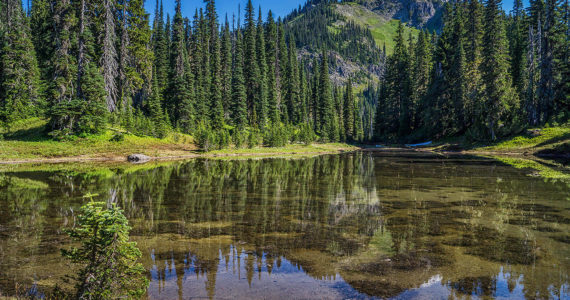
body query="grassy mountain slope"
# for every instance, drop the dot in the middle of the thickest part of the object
(353, 35)
(383, 30)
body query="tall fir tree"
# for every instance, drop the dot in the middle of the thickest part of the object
(19, 73)
(326, 107)
(251, 68)
(64, 107)
(109, 62)
(348, 112)
(239, 96)
(261, 106)
(457, 73)
(226, 69)
(216, 108)
(281, 65)
(498, 96)
(180, 96)
(161, 39)
(139, 68)
(272, 67)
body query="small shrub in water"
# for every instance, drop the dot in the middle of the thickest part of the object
(109, 267)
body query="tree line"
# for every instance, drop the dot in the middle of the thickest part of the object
(487, 74)
(88, 64)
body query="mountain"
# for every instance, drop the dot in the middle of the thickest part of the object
(417, 13)
(357, 34)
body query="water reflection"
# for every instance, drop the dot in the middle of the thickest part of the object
(341, 226)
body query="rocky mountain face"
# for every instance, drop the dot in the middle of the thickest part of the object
(417, 13)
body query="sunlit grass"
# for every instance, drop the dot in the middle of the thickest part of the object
(383, 31)
(28, 140)
(545, 137)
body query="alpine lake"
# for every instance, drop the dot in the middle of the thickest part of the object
(361, 225)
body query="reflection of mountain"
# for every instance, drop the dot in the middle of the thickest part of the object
(340, 225)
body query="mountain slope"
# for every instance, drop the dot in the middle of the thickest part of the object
(354, 36)
(383, 29)
(417, 13)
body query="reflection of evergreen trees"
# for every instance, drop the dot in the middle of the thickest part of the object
(386, 216)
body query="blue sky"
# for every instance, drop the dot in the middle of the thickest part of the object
(279, 7)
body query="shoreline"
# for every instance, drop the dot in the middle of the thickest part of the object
(118, 158)
(214, 154)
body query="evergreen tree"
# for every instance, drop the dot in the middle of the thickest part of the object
(109, 62)
(226, 69)
(272, 67)
(161, 39)
(216, 108)
(398, 95)
(281, 66)
(239, 96)
(494, 68)
(42, 27)
(156, 113)
(326, 108)
(457, 73)
(348, 112)
(64, 107)
(19, 73)
(261, 106)
(292, 99)
(358, 125)
(420, 74)
(139, 68)
(94, 109)
(251, 68)
(180, 97)
(517, 48)
(315, 96)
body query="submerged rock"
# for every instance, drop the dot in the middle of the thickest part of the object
(138, 158)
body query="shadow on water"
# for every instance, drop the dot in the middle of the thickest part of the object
(337, 226)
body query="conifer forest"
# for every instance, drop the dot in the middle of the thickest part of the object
(284, 149)
(87, 65)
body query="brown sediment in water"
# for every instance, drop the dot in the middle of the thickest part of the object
(377, 226)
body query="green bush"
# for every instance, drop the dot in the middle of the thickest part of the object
(276, 136)
(306, 134)
(109, 262)
(254, 139)
(118, 137)
(239, 138)
(208, 139)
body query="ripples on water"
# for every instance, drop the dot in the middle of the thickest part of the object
(355, 226)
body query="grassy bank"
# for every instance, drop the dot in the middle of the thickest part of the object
(552, 141)
(27, 141)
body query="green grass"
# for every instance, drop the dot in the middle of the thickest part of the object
(27, 140)
(289, 149)
(383, 31)
(546, 138)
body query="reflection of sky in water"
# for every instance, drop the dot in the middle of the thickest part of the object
(285, 281)
(289, 281)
